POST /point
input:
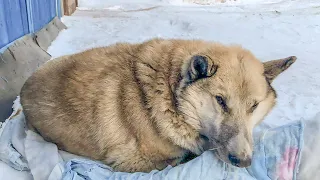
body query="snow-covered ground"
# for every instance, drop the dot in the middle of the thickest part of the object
(271, 29)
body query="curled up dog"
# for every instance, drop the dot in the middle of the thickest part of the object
(138, 107)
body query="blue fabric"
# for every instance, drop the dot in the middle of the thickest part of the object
(277, 153)
(276, 156)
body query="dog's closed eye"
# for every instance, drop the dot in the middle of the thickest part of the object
(221, 101)
(253, 107)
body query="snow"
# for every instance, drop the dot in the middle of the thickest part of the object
(272, 29)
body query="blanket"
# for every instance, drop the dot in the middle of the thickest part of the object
(277, 153)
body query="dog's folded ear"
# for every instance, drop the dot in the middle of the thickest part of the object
(200, 67)
(275, 67)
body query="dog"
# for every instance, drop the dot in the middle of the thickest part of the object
(144, 106)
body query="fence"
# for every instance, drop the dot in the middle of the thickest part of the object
(21, 17)
(27, 28)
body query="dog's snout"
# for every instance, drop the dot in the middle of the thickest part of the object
(239, 162)
(233, 159)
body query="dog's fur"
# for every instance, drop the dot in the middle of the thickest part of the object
(139, 107)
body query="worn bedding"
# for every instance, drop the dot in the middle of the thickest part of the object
(277, 155)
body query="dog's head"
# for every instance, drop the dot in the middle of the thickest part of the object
(224, 93)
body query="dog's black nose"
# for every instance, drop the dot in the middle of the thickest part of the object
(234, 160)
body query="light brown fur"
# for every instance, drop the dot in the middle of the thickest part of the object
(138, 107)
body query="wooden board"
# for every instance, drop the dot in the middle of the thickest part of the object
(69, 6)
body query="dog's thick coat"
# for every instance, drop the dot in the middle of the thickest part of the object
(139, 107)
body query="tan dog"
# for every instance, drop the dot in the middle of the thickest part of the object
(139, 107)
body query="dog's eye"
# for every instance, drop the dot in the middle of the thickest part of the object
(222, 103)
(204, 137)
(255, 105)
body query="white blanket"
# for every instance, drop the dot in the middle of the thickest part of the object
(276, 156)
(26, 153)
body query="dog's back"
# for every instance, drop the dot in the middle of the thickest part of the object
(90, 104)
(139, 107)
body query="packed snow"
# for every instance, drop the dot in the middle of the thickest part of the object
(276, 30)
(271, 29)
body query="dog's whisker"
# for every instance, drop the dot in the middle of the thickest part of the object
(215, 148)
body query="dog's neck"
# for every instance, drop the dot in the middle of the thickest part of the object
(160, 84)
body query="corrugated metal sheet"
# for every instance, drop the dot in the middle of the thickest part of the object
(13, 20)
(42, 12)
(20, 17)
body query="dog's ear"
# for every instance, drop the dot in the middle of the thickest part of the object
(275, 67)
(200, 68)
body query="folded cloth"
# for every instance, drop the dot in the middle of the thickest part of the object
(276, 156)
(12, 133)
(277, 153)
